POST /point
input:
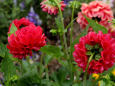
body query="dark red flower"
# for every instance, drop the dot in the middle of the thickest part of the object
(25, 40)
(102, 46)
(20, 23)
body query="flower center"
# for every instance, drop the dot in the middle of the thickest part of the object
(95, 50)
(96, 19)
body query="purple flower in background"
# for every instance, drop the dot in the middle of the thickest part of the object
(0, 84)
(33, 17)
(66, 1)
(22, 5)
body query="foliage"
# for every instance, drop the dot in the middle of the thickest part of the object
(53, 64)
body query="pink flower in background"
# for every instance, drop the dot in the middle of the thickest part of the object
(109, 2)
(102, 46)
(97, 11)
(51, 8)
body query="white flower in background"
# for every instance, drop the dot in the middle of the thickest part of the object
(110, 2)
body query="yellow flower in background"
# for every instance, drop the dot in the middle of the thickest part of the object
(113, 72)
(96, 76)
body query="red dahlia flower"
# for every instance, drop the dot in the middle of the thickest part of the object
(25, 40)
(101, 46)
(51, 7)
(95, 10)
(20, 23)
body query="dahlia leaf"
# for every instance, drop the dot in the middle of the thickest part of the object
(13, 29)
(96, 27)
(8, 68)
(52, 50)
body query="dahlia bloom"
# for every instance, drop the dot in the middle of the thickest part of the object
(102, 46)
(109, 2)
(25, 40)
(19, 23)
(51, 7)
(97, 11)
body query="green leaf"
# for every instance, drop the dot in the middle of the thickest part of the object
(13, 29)
(96, 27)
(3, 49)
(8, 68)
(52, 50)
(53, 31)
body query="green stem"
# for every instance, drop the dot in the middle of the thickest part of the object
(71, 32)
(70, 23)
(64, 36)
(41, 62)
(85, 75)
(71, 41)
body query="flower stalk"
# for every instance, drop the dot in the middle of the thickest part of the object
(64, 36)
(85, 74)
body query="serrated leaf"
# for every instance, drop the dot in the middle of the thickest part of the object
(52, 50)
(13, 29)
(8, 68)
(96, 27)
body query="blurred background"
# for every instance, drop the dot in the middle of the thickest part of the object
(16, 9)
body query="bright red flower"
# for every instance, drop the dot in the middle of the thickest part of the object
(25, 40)
(20, 23)
(103, 48)
(47, 6)
(95, 10)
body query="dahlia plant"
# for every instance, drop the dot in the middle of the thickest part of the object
(87, 59)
